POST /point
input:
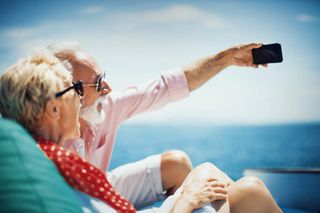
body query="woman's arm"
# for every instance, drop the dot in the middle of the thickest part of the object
(182, 204)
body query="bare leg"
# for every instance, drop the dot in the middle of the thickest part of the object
(175, 166)
(249, 194)
(205, 171)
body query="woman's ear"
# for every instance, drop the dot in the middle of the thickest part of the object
(52, 109)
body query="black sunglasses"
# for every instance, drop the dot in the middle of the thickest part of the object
(98, 84)
(99, 81)
(77, 86)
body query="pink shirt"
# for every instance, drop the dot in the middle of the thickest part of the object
(119, 106)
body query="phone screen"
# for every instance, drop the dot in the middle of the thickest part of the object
(270, 53)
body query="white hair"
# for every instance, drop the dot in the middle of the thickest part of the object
(67, 52)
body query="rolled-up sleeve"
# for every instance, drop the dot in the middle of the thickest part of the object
(169, 87)
(177, 84)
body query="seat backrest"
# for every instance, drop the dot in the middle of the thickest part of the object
(29, 181)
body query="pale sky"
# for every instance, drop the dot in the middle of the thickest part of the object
(137, 40)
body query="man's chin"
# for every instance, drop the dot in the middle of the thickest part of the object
(93, 117)
(102, 117)
(94, 114)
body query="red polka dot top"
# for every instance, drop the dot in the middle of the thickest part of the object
(84, 176)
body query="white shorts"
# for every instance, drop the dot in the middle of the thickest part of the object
(139, 182)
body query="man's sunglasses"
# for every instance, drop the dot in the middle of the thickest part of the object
(77, 86)
(98, 85)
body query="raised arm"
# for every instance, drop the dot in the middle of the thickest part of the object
(200, 72)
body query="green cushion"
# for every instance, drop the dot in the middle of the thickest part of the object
(29, 181)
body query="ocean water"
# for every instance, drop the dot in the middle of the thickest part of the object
(231, 148)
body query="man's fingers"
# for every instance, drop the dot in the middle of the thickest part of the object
(92, 127)
(89, 132)
(253, 46)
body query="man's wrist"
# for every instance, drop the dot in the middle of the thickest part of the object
(223, 59)
(227, 57)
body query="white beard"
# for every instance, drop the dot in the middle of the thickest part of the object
(91, 114)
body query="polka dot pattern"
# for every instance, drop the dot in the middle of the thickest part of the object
(83, 176)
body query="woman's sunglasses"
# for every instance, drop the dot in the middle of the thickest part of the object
(77, 86)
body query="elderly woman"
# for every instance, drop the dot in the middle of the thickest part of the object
(38, 93)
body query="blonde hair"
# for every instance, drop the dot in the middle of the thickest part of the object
(26, 87)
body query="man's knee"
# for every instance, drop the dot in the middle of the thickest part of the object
(177, 159)
(175, 167)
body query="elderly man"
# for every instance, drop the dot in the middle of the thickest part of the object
(145, 181)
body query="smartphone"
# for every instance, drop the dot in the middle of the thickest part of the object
(269, 53)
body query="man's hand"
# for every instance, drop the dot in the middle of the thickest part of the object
(87, 131)
(242, 55)
(200, 72)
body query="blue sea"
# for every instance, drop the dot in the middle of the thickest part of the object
(231, 148)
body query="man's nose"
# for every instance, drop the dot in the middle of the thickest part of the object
(105, 88)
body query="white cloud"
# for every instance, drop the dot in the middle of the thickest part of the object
(24, 40)
(306, 18)
(19, 33)
(174, 14)
(92, 10)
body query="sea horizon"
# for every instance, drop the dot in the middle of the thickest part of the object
(232, 148)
